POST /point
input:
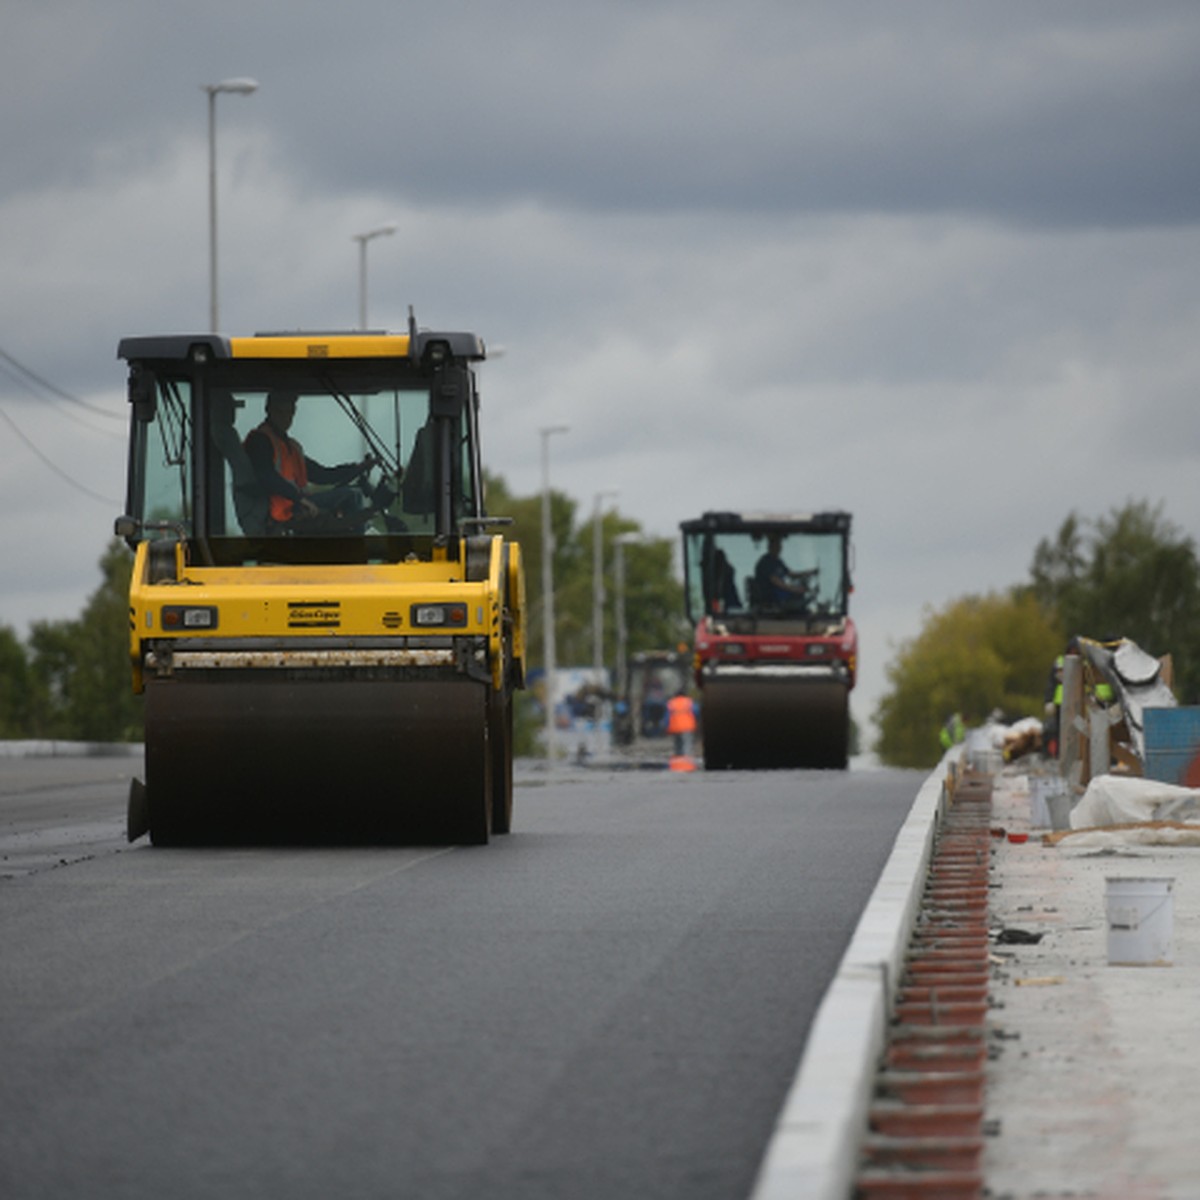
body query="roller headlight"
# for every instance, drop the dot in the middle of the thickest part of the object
(429, 616)
(189, 616)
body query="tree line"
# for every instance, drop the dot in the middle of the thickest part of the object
(653, 594)
(70, 680)
(1130, 573)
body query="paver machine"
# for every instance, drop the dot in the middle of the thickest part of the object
(652, 677)
(775, 648)
(327, 627)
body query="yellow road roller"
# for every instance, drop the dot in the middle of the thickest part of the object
(327, 626)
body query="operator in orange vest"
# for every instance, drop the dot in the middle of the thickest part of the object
(285, 471)
(681, 721)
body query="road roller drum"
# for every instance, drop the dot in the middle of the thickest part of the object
(774, 722)
(258, 759)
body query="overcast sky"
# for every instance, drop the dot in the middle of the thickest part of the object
(934, 263)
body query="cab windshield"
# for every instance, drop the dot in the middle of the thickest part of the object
(767, 573)
(297, 460)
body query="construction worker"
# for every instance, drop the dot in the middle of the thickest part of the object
(953, 732)
(776, 584)
(681, 722)
(286, 471)
(1052, 702)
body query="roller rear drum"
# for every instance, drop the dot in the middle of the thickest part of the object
(759, 724)
(263, 759)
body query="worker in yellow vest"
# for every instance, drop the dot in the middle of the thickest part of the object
(953, 732)
(1052, 713)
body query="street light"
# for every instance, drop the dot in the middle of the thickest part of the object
(619, 543)
(598, 584)
(236, 87)
(362, 239)
(548, 586)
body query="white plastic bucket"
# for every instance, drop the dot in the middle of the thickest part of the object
(1140, 919)
(1050, 803)
(1059, 806)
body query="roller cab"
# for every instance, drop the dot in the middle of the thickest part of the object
(326, 625)
(776, 650)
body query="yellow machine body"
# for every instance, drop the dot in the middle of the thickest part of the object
(420, 606)
(344, 672)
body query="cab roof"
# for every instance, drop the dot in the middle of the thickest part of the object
(195, 347)
(834, 521)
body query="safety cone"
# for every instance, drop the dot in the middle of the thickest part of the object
(682, 762)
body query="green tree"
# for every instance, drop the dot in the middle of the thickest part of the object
(104, 707)
(655, 618)
(977, 654)
(526, 512)
(653, 596)
(51, 652)
(1131, 573)
(79, 670)
(14, 686)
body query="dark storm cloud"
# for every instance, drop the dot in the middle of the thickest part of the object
(1052, 114)
(1056, 116)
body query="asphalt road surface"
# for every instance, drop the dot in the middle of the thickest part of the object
(611, 1002)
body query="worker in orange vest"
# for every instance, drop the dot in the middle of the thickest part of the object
(681, 721)
(286, 471)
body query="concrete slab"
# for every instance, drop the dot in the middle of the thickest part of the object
(1093, 1087)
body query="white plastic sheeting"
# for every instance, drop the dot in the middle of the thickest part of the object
(1127, 800)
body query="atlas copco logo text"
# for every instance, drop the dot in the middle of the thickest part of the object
(316, 614)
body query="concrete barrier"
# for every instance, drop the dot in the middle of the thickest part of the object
(813, 1153)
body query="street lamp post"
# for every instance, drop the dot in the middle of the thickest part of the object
(548, 587)
(235, 87)
(362, 239)
(619, 544)
(598, 584)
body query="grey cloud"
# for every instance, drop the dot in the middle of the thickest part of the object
(1024, 112)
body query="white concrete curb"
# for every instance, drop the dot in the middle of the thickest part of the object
(813, 1152)
(34, 748)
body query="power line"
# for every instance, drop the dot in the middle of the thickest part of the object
(28, 376)
(32, 381)
(80, 419)
(79, 487)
